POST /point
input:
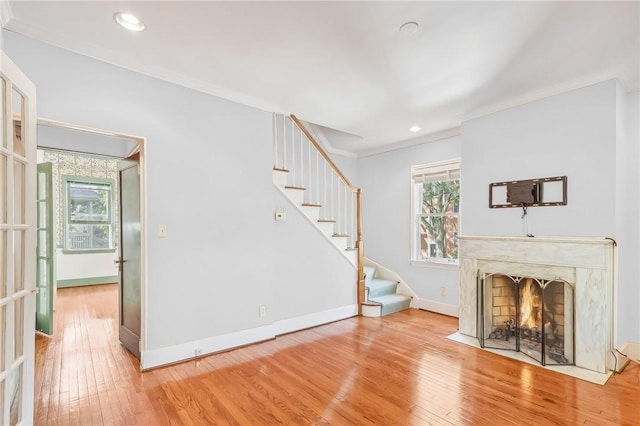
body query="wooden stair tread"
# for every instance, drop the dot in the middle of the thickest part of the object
(371, 303)
(278, 169)
(299, 188)
(327, 220)
(340, 235)
(311, 205)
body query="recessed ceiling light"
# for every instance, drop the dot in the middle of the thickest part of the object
(409, 28)
(129, 21)
(414, 129)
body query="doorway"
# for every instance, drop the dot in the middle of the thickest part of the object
(87, 214)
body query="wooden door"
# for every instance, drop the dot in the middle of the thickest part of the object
(130, 262)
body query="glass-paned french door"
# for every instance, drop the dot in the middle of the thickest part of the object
(17, 244)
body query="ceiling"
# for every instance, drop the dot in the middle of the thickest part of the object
(346, 66)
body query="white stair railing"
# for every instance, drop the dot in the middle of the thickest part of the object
(310, 167)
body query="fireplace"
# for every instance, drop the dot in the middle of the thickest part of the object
(565, 286)
(529, 315)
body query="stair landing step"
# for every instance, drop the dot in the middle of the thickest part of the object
(392, 303)
(278, 169)
(295, 187)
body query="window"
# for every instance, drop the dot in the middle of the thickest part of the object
(435, 211)
(88, 214)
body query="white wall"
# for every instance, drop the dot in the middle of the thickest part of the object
(577, 134)
(210, 181)
(85, 266)
(310, 275)
(572, 134)
(348, 166)
(386, 198)
(628, 215)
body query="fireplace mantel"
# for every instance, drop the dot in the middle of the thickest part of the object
(588, 264)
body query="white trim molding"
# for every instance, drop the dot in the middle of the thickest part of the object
(170, 355)
(185, 351)
(6, 14)
(437, 307)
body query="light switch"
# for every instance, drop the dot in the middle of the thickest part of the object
(162, 231)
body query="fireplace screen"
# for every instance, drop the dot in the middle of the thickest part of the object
(528, 315)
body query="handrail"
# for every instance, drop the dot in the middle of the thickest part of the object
(324, 155)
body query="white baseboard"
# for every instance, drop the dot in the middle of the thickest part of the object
(629, 351)
(317, 318)
(173, 354)
(438, 307)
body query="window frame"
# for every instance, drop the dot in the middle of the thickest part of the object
(67, 180)
(431, 169)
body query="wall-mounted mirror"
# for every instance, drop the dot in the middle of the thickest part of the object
(550, 191)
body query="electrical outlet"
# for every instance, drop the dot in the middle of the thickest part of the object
(443, 291)
(198, 351)
(263, 310)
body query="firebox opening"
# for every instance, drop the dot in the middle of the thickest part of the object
(528, 315)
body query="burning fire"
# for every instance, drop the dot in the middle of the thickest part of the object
(530, 305)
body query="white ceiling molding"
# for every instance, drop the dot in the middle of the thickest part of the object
(5, 12)
(431, 137)
(537, 96)
(113, 58)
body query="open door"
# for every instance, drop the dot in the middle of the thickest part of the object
(17, 243)
(129, 295)
(44, 250)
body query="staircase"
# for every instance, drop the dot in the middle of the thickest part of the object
(308, 178)
(327, 226)
(382, 297)
(305, 174)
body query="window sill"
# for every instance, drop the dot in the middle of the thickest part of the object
(89, 251)
(434, 265)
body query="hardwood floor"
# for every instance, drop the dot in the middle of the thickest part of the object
(395, 370)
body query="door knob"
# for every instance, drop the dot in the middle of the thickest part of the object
(119, 262)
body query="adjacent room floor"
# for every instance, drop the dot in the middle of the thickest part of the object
(399, 369)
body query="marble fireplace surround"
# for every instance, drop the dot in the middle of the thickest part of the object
(588, 264)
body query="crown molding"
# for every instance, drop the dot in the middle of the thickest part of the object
(538, 95)
(108, 56)
(431, 137)
(6, 14)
